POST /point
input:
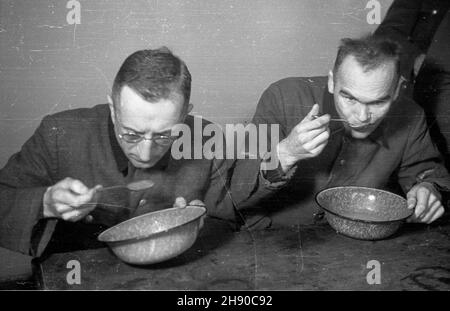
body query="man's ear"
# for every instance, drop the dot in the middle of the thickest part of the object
(111, 109)
(187, 111)
(189, 108)
(401, 82)
(330, 82)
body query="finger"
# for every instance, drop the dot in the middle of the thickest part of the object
(88, 199)
(432, 199)
(312, 113)
(65, 183)
(412, 201)
(64, 196)
(422, 201)
(439, 212)
(304, 137)
(77, 214)
(69, 215)
(61, 208)
(431, 212)
(319, 148)
(180, 202)
(71, 199)
(86, 208)
(428, 213)
(411, 198)
(78, 187)
(74, 215)
(98, 187)
(317, 141)
(309, 125)
(197, 203)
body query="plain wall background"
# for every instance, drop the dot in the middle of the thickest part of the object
(234, 50)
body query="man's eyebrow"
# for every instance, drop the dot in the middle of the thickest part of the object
(347, 94)
(132, 130)
(163, 133)
(382, 99)
(350, 95)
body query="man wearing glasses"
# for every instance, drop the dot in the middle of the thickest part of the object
(60, 169)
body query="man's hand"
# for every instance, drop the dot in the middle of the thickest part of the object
(180, 202)
(68, 200)
(306, 140)
(425, 199)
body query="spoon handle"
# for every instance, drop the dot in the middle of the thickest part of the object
(133, 186)
(333, 119)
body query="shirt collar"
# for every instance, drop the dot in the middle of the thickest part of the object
(378, 136)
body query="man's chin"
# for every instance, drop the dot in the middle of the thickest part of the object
(142, 165)
(359, 134)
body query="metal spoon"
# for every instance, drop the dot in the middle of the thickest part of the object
(133, 186)
(342, 120)
(335, 119)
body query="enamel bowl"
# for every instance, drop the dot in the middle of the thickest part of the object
(363, 213)
(155, 237)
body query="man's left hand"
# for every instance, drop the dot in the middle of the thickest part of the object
(425, 199)
(180, 202)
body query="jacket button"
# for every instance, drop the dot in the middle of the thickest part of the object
(142, 202)
(342, 162)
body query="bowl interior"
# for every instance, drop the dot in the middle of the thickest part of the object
(365, 204)
(151, 223)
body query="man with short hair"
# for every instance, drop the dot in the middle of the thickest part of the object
(57, 175)
(350, 128)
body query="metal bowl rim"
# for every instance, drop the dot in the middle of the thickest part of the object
(143, 237)
(356, 219)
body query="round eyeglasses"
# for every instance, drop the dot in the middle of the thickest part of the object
(133, 138)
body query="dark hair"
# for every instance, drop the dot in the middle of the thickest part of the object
(154, 74)
(369, 51)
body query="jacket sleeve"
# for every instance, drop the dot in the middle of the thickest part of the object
(421, 161)
(23, 182)
(248, 185)
(218, 198)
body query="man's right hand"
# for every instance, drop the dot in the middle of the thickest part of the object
(306, 140)
(68, 200)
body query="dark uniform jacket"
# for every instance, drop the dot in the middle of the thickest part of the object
(396, 156)
(81, 144)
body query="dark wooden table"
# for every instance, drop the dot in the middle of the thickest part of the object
(302, 258)
(15, 271)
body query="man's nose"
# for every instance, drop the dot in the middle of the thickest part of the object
(145, 150)
(363, 113)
